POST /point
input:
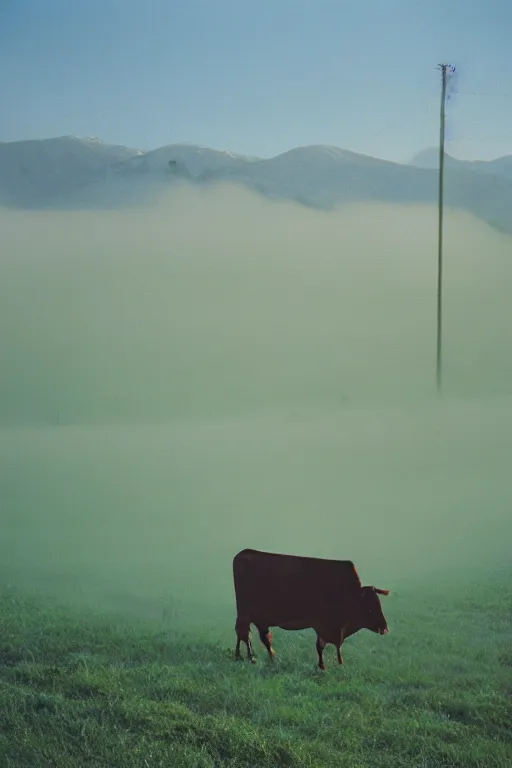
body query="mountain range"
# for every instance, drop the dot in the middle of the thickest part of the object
(72, 173)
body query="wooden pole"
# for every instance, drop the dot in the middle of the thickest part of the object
(444, 70)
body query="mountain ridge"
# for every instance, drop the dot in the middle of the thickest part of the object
(69, 172)
(499, 166)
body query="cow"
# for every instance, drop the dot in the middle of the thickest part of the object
(293, 592)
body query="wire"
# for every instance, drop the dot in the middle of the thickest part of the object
(485, 94)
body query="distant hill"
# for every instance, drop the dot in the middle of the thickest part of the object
(429, 158)
(68, 172)
(196, 159)
(39, 172)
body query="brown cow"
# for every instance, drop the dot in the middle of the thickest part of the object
(294, 592)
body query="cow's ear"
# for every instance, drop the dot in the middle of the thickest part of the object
(381, 591)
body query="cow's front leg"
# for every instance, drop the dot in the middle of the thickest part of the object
(242, 629)
(320, 645)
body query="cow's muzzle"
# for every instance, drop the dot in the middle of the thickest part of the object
(383, 631)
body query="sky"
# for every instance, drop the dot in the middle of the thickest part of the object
(259, 77)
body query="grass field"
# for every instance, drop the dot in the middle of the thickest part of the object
(117, 607)
(82, 688)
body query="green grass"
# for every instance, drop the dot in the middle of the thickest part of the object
(80, 688)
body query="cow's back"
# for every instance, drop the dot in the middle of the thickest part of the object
(282, 589)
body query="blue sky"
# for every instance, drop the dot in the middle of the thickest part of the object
(259, 77)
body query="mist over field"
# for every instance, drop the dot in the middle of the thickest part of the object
(223, 372)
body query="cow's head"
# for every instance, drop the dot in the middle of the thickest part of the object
(371, 615)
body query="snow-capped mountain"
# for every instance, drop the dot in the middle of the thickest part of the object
(85, 173)
(195, 159)
(323, 177)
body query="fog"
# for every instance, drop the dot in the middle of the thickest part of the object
(222, 372)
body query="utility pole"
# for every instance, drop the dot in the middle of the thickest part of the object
(446, 70)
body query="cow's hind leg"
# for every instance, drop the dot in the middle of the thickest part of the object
(320, 645)
(339, 644)
(242, 629)
(266, 639)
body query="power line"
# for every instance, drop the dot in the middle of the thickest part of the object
(485, 94)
